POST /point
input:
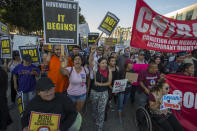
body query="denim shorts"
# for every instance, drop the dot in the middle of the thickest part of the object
(77, 98)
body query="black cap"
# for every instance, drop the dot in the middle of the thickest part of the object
(181, 53)
(44, 84)
(15, 53)
(27, 58)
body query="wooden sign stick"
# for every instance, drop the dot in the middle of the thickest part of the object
(98, 38)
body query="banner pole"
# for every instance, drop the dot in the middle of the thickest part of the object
(62, 50)
(98, 38)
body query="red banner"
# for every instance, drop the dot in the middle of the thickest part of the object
(153, 31)
(186, 88)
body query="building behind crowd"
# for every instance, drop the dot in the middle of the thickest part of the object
(186, 13)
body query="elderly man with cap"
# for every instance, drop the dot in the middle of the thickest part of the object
(47, 101)
(24, 76)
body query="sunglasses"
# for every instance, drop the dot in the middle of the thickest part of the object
(168, 88)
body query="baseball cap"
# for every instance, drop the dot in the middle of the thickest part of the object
(15, 53)
(27, 58)
(181, 54)
(44, 84)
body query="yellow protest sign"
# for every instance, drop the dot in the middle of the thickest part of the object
(3, 29)
(32, 51)
(20, 103)
(109, 23)
(115, 41)
(49, 47)
(44, 121)
(6, 47)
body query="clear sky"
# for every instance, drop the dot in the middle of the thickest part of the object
(95, 10)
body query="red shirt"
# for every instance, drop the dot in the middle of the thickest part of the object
(148, 79)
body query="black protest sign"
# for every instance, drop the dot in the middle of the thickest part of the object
(109, 23)
(32, 51)
(6, 47)
(60, 22)
(92, 37)
(3, 29)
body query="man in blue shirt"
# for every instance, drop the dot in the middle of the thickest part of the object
(175, 66)
(26, 74)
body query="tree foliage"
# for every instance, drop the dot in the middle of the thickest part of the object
(26, 15)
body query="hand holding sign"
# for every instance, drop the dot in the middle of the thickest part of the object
(64, 61)
(170, 102)
(93, 49)
(119, 86)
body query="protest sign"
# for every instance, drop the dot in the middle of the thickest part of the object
(19, 100)
(108, 42)
(170, 102)
(6, 47)
(92, 37)
(20, 40)
(132, 77)
(3, 29)
(153, 31)
(84, 29)
(70, 47)
(139, 68)
(44, 121)
(119, 85)
(120, 47)
(60, 21)
(109, 23)
(186, 88)
(115, 41)
(32, 51)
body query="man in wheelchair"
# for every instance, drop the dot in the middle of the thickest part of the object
(151, 117)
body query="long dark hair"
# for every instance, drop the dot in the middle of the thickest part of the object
(187, 66)
(77, 56)
(109, 59)
(101, 59)
(158, 86)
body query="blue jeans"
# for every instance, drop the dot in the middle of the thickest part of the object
(77, 98)
(122, 99)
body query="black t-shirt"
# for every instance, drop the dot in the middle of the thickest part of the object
(61, 104)
(101, 79)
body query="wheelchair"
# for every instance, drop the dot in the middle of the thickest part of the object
(144, 121)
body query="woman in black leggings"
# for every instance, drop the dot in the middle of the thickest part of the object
(164, 118)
